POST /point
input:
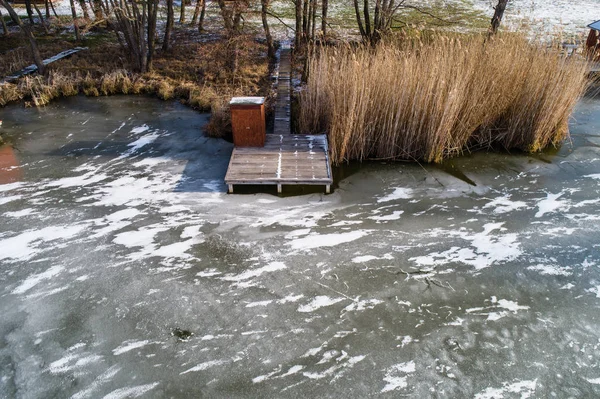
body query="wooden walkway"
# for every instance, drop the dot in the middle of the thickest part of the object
(286, 158)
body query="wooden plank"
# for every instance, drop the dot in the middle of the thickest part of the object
(33, 68)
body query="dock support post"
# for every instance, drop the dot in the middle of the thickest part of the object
(328, 189)
(279, 189)
(230, 188)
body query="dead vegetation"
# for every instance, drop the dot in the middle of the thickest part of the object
(434, 98)
(193, 72)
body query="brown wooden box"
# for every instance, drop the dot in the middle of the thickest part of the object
(248, 121)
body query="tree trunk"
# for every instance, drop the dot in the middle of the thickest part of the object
(325, 8)
(314, 20)
(304, 20)
(84, 9)
(39, 62)
(39, 13)
(152, 16)
(53, 9)
(47, 6)
(202, 14)
(5, 29)
(359, 20)
(196, 12)
(97, 8)
(226, 14)
(367, 20)
(29, 12)
(75, 24)
(170, 19)
(298, 37)
(182, 12)
(497, 18)
(263, 13)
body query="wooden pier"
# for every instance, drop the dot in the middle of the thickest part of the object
(286, 158)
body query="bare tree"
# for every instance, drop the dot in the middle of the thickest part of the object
(497, 18)
(84, 9)
(4, 28)
(26, 29)
(299, 30)
(200, 4)
(324, 9)
(182, 12)
(202, 14)
(134, 22)
(169, 27)
(232, 15)
(97, 9)
(371, 28)
(42, 21)
(263, 12)
(29, 11)
(75, 22)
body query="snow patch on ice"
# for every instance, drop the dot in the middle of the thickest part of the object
(35, 279)
(487, 249)
(318, 302)
(326, 240)
(551, 270)
(131, 392)
(129, 346)
(362, 305)
(78, 181)
(72, 362)
(398, 193)
(364, 258)
(139, 143)
(26, 245)
(525, 388)
(12, 198)
(102, 379)
(204, 366)
(248, 274)
(395, 215)
(124, 214)
(259, 303)
(10, 186)
(140, 129)
(396, 376)
(504, 205)
(595, 291)
(341, 364)
(21, 213)
(550, 204)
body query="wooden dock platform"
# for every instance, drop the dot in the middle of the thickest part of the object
(286, 158)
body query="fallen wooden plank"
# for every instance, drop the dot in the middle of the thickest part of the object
(33, 68)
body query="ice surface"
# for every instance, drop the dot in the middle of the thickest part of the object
(299, 296)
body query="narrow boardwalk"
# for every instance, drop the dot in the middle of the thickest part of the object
(33, 68)
(286, 158)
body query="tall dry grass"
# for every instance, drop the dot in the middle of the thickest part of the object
(429, 100)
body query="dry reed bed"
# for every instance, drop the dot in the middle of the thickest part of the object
(430, 101)
(41, 90)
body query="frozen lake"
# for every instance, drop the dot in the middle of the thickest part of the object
(127, 271)
(549, 15)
